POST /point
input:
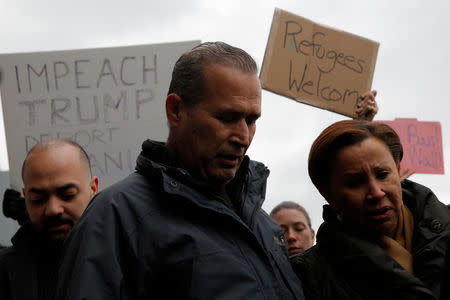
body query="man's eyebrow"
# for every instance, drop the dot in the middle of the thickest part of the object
(61, 188)
(68, 186)
(231, 111)
(36, 191)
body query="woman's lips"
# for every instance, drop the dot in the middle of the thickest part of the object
(380, 215)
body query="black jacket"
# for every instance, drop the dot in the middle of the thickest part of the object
(445, 285)
(162, 234)
(28, 269)
(349, 265)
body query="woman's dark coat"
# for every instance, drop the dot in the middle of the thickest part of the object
(347, 264)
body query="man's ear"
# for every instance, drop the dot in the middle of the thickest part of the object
(175, 109)
(93, 184)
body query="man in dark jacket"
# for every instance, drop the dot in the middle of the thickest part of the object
(188, 223)
(57, 187)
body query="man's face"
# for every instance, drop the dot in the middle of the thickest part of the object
(217, 131)
(297, 232)
(57, 189)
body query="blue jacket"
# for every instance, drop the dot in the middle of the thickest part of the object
(162, 234)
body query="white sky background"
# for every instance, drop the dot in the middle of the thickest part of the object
(411, 74)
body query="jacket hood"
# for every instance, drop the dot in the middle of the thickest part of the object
(155, 159)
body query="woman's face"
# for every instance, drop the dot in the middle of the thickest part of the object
(297, 232)
(365, 186)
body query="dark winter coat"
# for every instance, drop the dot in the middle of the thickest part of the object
(162, 234)
(445, 284)
(28, 269)
(348, 264)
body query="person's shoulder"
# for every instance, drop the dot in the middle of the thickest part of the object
(414, 188)
(5, 251)
(307, 260)
(7, 254)
(418, 193)
(416, 196)
(308, 263)
(424, 204)
(309, 266)
(127, 200)
(130, 183)
(133, 186)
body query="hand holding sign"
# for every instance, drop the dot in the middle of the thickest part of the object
(367, 107)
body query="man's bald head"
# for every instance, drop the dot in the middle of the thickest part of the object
(58, 186)
(54, 144)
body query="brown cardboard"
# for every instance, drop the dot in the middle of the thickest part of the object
(316, 64)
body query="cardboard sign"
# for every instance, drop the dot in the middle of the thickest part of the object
(317, 65)
(422, 145)
(108, 100)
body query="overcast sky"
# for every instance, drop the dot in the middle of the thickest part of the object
(411, 73)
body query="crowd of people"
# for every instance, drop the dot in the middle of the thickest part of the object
(188, 223)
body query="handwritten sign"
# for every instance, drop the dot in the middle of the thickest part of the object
(422, 145)
(317, 65)
(108, 100)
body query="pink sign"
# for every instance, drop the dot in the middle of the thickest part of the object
(422, 145)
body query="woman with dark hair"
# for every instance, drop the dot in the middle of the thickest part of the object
(382, 238)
